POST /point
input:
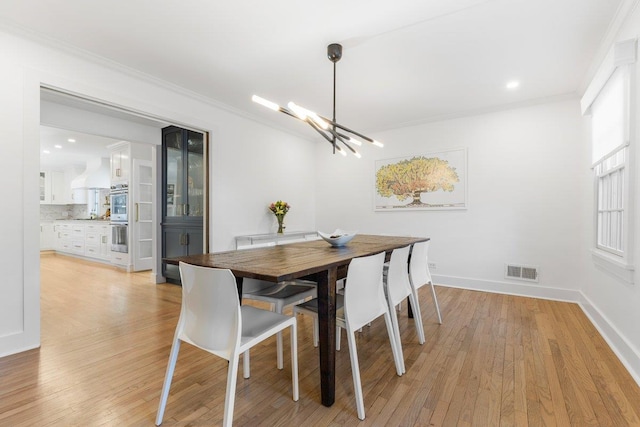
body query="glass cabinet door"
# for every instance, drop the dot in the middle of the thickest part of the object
(195, 175)
(184, 174)
(174, 172)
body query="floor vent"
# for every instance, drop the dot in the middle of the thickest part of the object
(521, 272)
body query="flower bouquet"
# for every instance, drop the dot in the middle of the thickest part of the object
(280, 209)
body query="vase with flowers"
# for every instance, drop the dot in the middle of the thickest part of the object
(280, 209)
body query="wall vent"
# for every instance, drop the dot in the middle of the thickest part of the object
(521, 272)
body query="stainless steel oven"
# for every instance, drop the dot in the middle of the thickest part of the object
(119, 237)
(119, 203)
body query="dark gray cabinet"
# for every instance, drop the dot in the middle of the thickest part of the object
(183, 196)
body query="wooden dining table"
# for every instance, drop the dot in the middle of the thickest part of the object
(314, 260)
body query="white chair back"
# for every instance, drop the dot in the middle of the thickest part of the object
(364, 298)
(210, 317)
(419, 268)
(398, 286)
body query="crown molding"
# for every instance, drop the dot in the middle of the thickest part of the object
(626, 8)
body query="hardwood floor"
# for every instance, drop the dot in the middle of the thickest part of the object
(497, 360)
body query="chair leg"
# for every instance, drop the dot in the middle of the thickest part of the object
(173, 357)
(316, 332)
(294, 361)
(278, 309)
(392, 341)
(417, 315)
(338, 337)
(355, 370)
(246, 364)
(396, 336)
(435, 301)
(230, 398)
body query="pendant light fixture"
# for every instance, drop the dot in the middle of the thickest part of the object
(328, 128)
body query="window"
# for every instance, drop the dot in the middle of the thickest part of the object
(607, 100)
(610, 140)
(610, 185)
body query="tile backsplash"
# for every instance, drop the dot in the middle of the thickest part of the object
(52, 212)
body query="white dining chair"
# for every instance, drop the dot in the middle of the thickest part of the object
(419, 274)
(397, 289)
(364, 301)
(212, 319)
(278, 296)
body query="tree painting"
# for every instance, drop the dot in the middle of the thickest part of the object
(412, 177)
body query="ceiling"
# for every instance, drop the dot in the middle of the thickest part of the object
(63, 153)
(404, 61)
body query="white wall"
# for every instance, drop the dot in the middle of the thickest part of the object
(614, 305)
(526, 192)
(247, 159)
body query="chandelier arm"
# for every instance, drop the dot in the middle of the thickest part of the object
(317, 129)
(346, 129)
(339, 137)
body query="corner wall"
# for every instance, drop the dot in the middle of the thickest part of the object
(248, 160)
(527, 198)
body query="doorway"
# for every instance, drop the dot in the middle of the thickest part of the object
(102, 120)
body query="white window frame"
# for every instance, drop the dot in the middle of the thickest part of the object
(613, 173)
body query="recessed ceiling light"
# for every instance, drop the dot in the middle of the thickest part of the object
(71, 140)
(513, 84)
(46, 151)
(58, 146)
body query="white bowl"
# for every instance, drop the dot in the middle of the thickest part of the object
(338, 237)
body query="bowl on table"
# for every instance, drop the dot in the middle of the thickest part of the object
(338, 237)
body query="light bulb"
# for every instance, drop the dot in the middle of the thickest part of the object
(270, 105)
(357, 154)
(378, 143)
(298, 110)
(341, 151)
(355, 142)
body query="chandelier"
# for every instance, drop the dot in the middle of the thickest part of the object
(331, 130)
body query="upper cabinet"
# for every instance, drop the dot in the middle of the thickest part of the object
(45, 187)
(120, 163)
(184, 169)
(55, 189)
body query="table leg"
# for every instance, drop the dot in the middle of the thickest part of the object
(239, 286)
(327, 328)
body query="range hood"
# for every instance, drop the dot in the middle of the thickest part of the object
(97, 174)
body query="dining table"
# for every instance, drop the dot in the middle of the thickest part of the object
(314, 260)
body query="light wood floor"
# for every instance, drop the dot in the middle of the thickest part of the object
(496, 360)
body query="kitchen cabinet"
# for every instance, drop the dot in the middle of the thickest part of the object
(59, 193)
(55, 189)
(96, 243)
(90, 239)
(183, 195)
(180, 241)
(63, 237)
(47, 236)
(120, 163)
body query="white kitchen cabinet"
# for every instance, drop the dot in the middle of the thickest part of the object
(59, 193)
(120, 259)
(45, 187)
(47, 236)
(63, 237)
(120, 163)
(97, 241)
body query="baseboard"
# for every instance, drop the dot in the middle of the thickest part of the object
(509, 288)
(626, 353)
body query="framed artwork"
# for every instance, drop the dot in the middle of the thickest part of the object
(429, 181)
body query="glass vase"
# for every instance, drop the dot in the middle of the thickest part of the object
(281, 226)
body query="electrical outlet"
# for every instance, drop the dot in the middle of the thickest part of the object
(432, 266)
